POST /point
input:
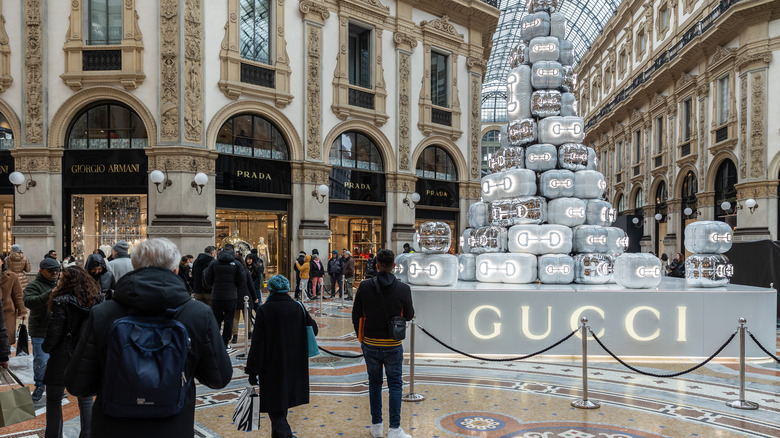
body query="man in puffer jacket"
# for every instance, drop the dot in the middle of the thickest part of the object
(303, 272)
(225, 277)
(19, 264)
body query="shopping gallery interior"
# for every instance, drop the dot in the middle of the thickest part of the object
(589, 189)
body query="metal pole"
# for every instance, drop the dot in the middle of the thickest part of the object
(742, 403)
(343, 291)
(584, 403)
(412, 396)
(247, 327)
(321, 292)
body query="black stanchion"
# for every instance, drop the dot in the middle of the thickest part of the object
(584, 403)
(742, 403)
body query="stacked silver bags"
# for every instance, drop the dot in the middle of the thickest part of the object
(707, 266)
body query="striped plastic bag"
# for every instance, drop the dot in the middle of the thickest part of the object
(246, 415)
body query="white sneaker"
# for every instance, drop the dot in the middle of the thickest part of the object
(377, 430)
(397, 433)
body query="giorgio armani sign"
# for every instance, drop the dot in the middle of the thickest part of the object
(106, 168)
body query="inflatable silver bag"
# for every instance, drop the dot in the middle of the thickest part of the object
(433, 269)
(518, 55)
(467, 267)
(479, 214)
(506, 268)
(593, 159)
(596, 239)
(558, 183)
(522, 132)
(566, 53)
(601, 213)
(401, 271)
(512, 157)
(434, 238)
(708, 237)
(707, 270)
(543, 49)
(488, 240)
(546, 75)
(519, 92)
(509, 184)
(544, 5)
(569, 80)
(535, 25)
(541, 157)
(593, 268)
(546, 103)
(638, 271)
(464, 240)
(569, 106)
(540, 239)
(561, 130)
(558, 25)
(556, 269)
(589, 184)
(573, 156)
(569, 212)
(527, 210)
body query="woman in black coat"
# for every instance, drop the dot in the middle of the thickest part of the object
(69, 306)
(98, 269)
(279, 358)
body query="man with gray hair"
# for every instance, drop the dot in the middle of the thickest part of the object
(152, 291)
(348, 269)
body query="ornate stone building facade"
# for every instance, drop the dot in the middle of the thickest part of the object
(269, 98)
(678, 100)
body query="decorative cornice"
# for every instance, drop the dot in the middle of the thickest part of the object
(313, 7)
(443, 27)
(400, 37)
(481, 64)
(744, 59)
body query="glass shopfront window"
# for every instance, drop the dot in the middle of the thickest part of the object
(359, 235)
(265, 231)
(438, 189)
(98, 220)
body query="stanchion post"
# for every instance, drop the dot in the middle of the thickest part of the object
(742, 403)
(412, 396)
(343, 283)
(584, 403)
(247, 327)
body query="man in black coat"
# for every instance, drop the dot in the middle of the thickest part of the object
(334, 271)
(152, 288)
(225, 277)
(300, 260)
(201, 292)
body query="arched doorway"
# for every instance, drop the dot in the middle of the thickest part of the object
(357, 197)
(6, 188)
(253, 189)
(661, 196)
(726, 190)
(688, 196)
(437, 186)
(104, 178)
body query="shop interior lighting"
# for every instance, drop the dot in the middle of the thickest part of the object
(17, 179)
(412, 200)
(320, 192)
(200, 180)
(158, 177)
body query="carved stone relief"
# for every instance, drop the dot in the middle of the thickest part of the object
(743, 129)
(404, 116)
(33, 73)
(193, 72)
(476, 92)
(757, 127)
(169, 70)
(313, 98)
(5, 55)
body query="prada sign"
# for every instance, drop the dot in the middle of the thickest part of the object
(253, 175)
(436, 193)
(117, 168)
(355, 185)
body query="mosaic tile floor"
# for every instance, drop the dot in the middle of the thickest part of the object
(530, 399)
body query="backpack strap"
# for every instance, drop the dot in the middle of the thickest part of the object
(375, 282)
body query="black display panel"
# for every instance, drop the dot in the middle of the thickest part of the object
(105, 168)
(356, 185)
(437, 193)
(246, 174)
(6, 168)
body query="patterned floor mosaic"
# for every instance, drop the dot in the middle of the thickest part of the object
(470, 398)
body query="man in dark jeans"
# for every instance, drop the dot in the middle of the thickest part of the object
(334, 270)
(225, 277)
(371, 318)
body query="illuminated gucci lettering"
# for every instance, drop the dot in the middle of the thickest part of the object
(567, 183)
(539, 157)
(509, 269)
(472, 322)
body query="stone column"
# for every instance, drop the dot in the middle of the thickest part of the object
(674, 235)
(310, 228)
(706, 203)
(401, 215)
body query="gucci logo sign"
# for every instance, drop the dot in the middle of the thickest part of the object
(539, 157)
(532, 23)
(579, 212)
(648, 272)
(558, 128)
(567, 183)
(537, 48)
(548, 72)
(552, 270)
(720, 237)
(553, 239)
(593, 240)
(509, 269)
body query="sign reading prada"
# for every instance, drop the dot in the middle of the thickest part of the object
(436, 193)
(105, 168)
(356, 185)
(253, 175)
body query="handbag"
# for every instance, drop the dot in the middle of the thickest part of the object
(311, 341)
(16, 405)
(22, 340)
(246, 414)
(396, 324)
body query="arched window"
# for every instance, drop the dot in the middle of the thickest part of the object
(621, 203)
(639, 198)
(107, 126)
(254, 30)
(689, 189)
(6, 134)
(661, 195)
(357, 151)
(252, 136)
(104, 22)
(436, 163)
(725, 186)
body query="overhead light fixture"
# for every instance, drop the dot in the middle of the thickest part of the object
(412, 200)
(158, 177)
(320, 192)
(199, 181)
(17, 179)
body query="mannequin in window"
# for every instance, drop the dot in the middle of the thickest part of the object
(262, 251)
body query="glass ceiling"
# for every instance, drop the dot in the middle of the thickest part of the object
(585, 20)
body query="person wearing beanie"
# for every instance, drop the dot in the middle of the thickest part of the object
(278, 358)
(36, 298)
(19, 264)
(120, 264)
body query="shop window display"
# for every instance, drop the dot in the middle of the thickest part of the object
(265, 231)
(360, 236)
(104, 220)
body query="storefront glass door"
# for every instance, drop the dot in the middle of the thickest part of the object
(360, 235)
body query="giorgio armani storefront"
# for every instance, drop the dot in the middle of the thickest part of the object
(438, 188)
(253, 189)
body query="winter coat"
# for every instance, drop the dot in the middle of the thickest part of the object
(106, 279)
(120, 265)
(348, 267)
(371, 268)
(257, 270)
(5, 347)
(65, 320)
(151, 290)
(18, 263)
(304, 268)
(225, 277)
(299, 261)
(13, 302)
(368, 316)
(198, 267)
(678, 269)
(184, 273)
(316, 269)
(36, 298)
(279, 353)
(248, 291)
(334, 266)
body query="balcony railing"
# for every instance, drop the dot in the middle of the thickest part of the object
(256, 75)
(441, 117)
(362, 99)
(722, 134)
(664, 58)
(101, 60)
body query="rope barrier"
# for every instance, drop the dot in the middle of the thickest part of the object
(487, 359)
(762, 347)
(636, 370)
(345, 356)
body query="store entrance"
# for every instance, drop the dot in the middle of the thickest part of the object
(359, 235)
(104, 219)
(266, 231)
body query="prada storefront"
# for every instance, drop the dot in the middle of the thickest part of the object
(104, 179)
(438, 189)
(357, 198)
(253, 188)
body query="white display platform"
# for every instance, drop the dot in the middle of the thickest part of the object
(669, 321)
